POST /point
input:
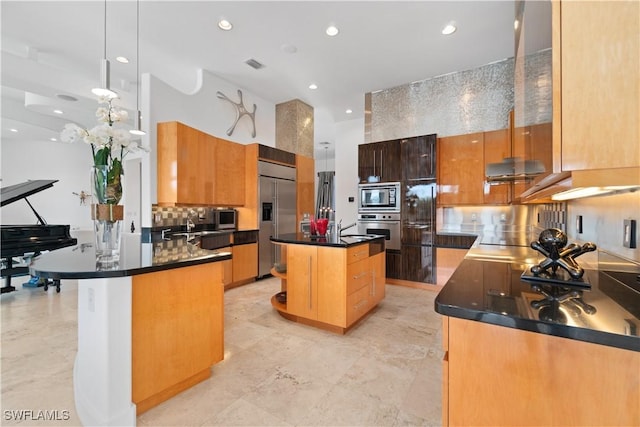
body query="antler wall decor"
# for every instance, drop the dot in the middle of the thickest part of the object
(240, 111)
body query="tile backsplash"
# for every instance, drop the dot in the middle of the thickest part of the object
(177, 216)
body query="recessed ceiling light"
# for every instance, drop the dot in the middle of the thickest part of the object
(313, 86)
(225, 25)
(13, 130)
(332, 30)
(58, 111)
(449, 29)
(516, 24)
(349, 111)
(122, 60)
(53, 139)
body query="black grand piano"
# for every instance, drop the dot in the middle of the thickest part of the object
(20, 240)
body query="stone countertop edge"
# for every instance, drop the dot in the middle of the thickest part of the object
(301, 239)
(445, 304)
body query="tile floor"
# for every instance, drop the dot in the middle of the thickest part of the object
(386, 371)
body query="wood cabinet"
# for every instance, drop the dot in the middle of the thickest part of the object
(596, 82)
(497, 146)
(177, 331)
(329, 287)
(302, 281)
(245, 263)
(534, 142)
(517, 377)
(462, 161)
(195, 168)
(380, 160)
(461, 169)
(418, 156)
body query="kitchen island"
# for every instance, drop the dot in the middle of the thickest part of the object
(513, 358)
(149, 327)
(329, 282)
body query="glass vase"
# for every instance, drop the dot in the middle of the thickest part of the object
(107, 216)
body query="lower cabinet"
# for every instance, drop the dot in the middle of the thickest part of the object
(493, 375)
(177, 324)
(330, 286)
(244, 262)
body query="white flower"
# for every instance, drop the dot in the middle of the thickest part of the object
(72, 133)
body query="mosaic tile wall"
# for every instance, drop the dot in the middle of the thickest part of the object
(458, 103)
(538, 90)
(177, 216)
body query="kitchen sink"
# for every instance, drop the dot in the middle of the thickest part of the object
(193, 233)
(360, 237)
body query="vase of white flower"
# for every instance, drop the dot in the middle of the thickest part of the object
(109, 144)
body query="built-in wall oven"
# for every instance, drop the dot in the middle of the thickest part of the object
(379, 211)
(386, 224)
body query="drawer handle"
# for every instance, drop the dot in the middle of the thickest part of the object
(360, 304)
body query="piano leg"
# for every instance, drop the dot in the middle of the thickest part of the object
(7, 287)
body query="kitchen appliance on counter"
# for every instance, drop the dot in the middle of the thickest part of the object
(225, 218)
(277, 198)
(379, 197)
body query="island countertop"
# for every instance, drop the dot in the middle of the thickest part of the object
(136, 257)
(487, 287)
(329, 240)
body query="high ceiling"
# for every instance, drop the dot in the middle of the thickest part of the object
(52, 48)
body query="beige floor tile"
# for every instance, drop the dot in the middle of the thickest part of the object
(386, 371)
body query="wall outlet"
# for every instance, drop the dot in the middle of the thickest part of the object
(474, 217)
(629, 234)
(579, 224)
(503, 217)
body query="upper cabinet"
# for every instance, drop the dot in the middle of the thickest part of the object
(418, 156)
(195, 168)
(596, 82)
(379, 160)
(462, 161)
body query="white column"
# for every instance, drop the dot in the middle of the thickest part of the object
(102, 370)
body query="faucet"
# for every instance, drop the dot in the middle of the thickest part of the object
(190, 225)
(340, 228)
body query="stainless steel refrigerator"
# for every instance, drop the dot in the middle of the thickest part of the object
(277, 205)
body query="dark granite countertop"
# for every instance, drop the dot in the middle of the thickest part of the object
(487, 287)
(79, 261)
(330, 240)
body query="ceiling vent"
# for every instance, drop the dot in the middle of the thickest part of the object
(253, 64)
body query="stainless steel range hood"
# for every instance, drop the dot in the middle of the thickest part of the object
(513, 169)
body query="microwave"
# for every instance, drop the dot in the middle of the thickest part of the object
(226, 218)
(379, 197)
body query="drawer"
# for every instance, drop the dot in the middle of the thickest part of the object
(357, 253)
(358, 303)
(358, 275)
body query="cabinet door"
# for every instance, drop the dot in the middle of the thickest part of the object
(497, 146)
(366, 162)
(229, 173)
(191, 182)
(245, 262)
(377, 266)
(418, 263)
(302, 280)
(461, 166)
(600, 82)
(389, 160)
(418, 157)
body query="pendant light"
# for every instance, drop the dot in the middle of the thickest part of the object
(105, 78)
(137, 130)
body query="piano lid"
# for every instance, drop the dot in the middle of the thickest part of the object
(20, 191)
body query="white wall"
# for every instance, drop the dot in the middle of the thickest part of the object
(349, 134)
(203, 110)
(68, 163)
